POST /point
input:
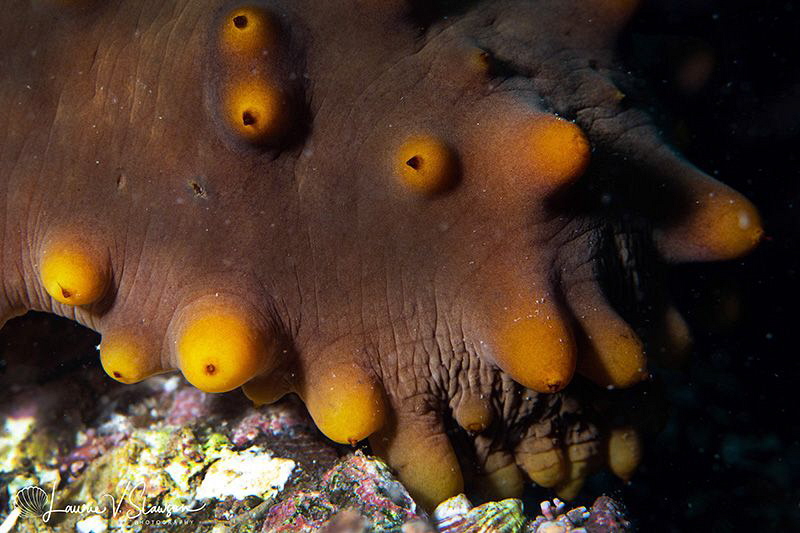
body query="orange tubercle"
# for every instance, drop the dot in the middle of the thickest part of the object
(426, 164)
(479, 60)
(126, 359)
(624, 452)
(502, 478)
(545, 468)
(72, 273)
(536, 348)
(473, 413)
(619, 11)
(733, 224)
(721, 224)
(218, 348)
(255, 111)
(579, 465)
(614, 356)
(557, 149)
(675, 339)
(264, 390)
(426, 463)
(248, 30)
(345, 402)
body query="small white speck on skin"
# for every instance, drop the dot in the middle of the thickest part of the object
(744, 220)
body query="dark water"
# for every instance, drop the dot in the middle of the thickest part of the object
(729, 459)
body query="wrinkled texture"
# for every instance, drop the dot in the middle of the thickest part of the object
(216, 186)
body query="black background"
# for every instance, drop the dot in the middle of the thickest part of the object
(729, 457)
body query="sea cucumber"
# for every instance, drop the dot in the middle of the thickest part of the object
(408, 213)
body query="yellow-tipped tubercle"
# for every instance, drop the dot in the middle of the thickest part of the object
(264, 390)
(615, 356)
(719, 224)
(502, 478)
(733, 225)
(624, 452)
(545, 468)
(558, 151)
(255, 110)
(345, 402)
(73, 274)
(473, 413)
(581, 460)
(537, 350)
(220, 349)
(423, 457)
(248, 31)
(426, 164)
(126, 359)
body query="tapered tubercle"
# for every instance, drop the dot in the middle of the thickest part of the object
(418, 448)
(266, 389)
(719, 222)
(674, 339)
(611, 353)
(473, 412)
(612, 14)
(501, 477)
(624, 450)
(128, 356)
(255, 109)
(558, 149)
(534, 153)
(583, 457)
(525, 330)
(219, 344)
(346, 402)
(74, 271)
(541, 457)
(706, 219)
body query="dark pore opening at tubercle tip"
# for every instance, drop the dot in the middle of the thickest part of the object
(415, 162)
(248, 118)
(240, 21)
(117, 375)
(210, 369)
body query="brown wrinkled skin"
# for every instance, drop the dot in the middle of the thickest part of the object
(110, 128)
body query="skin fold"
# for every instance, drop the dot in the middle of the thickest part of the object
(423, 225)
